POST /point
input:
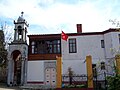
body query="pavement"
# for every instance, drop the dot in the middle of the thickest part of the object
(3, 86)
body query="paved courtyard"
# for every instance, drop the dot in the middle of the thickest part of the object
(8, 88)
(5, 87)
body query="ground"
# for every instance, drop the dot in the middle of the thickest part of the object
(5, 87)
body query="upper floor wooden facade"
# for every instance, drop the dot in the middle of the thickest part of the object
(44, 47)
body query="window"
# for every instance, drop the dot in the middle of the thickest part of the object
(102, 44)
(19, 32)
(72, 45)
(56, 46)
(102, 65)
(33, 47)
(47, 46)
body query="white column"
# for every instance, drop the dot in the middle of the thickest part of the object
(25, 36)
(22, 35)
(25, 74)
(15, 35)
(22, 70)
(10, 71)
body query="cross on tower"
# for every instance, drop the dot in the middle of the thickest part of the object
(22, 14)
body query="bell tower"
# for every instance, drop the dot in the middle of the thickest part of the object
(18, 53)
(20, 29)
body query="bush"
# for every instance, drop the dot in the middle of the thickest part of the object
(113, 82)
(75, 86)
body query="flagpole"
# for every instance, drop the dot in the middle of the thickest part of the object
(62, 46)
(64, 38)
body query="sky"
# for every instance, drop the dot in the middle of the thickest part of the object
(52, 16)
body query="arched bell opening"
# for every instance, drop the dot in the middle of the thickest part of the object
(16, 55)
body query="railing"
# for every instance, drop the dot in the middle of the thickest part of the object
(74, 79)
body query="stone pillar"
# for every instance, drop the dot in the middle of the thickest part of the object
(25, 73)
(89, 71)
(117, 58)
(10, 72)
(15, 35)
(22, 70)
(22, 34)
(59, 72)
(25, 36)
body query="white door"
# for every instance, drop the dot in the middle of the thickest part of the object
(50, 74)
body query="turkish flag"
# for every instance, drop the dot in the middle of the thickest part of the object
(64, 36)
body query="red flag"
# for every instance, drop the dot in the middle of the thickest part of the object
(64, 36)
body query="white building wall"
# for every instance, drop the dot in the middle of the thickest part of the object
(111, 42)
(89, 45)
(115, 41)
(111, 48)
(35, 72)
(86, 45)
(78, 67)
(108, 45)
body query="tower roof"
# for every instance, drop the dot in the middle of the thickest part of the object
(21, 19)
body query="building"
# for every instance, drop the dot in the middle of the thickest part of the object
(17, 54)
(38, 60)
(43, 50)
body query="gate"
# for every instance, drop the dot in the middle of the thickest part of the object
(50, 75)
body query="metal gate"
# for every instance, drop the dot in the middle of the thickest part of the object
(75, 79)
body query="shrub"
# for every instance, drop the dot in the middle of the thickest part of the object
(113, 82)
(75, 86)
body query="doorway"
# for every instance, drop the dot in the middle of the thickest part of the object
(17, 67)
(50, 77)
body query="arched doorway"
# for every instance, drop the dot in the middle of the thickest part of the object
(16, 55)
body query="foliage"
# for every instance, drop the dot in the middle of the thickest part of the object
(3, 52)
(5, 38)
(8, 33)
(75, 86)
(113, 82)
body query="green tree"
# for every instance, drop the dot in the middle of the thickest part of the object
(3, 52)
(5, 38)
(3, 57)
(114, 81)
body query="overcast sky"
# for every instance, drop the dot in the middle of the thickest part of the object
(52, 16)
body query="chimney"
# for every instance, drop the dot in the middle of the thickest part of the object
(79, 28)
